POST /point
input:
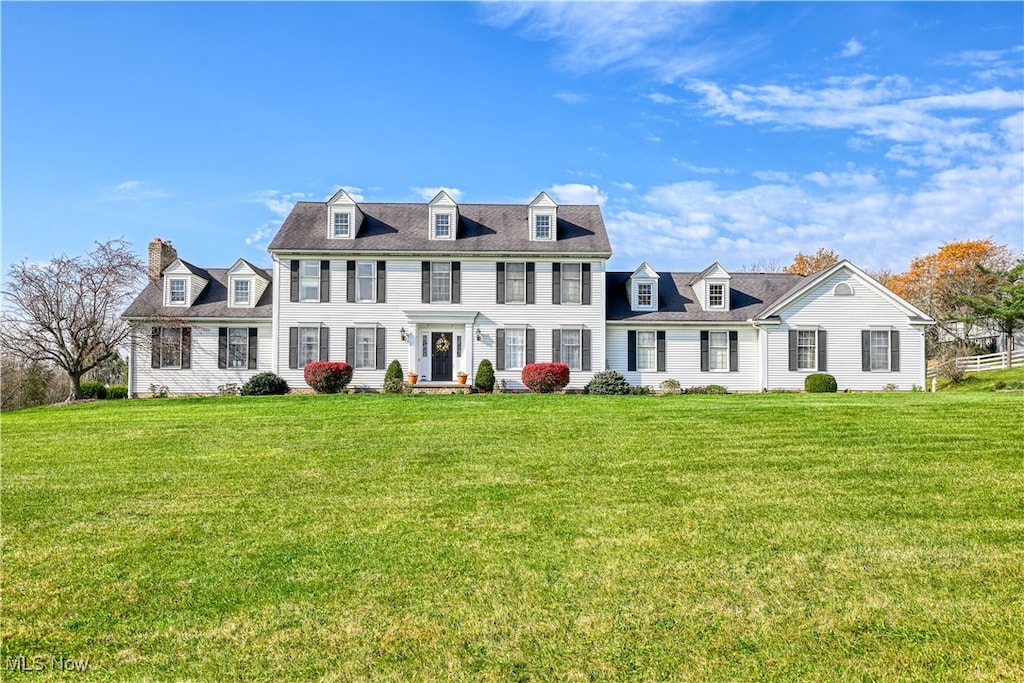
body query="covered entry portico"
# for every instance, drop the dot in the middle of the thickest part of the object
(440, 344)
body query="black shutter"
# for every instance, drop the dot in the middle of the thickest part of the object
(500, 269)
(499, 349)
(382, 281)
(631, 350)
(325, 281)
(822, 352)
(186, 348)
(253, 338)
(556, 346)
(425, 282)
(586, 285)
(585, 350)
(154, 351)
(661, 351)
(324, 341)
(894, 351)
(222, 348)
(350, 282)
(531, 345)
(705, 351)
(293, 267)
(456, 282)
(350, 346)
(865, 350)
(293, 347)
(556, 283)
(734, 351)
(531, 283)
(793, 367)
(381, 337)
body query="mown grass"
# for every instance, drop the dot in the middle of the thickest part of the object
(1012, 378)
(767, 537)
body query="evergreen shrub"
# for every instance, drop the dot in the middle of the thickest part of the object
(484, 380)
(820, 383)
(607, 382)
(265, 384)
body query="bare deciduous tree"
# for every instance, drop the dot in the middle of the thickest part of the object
(66, 312)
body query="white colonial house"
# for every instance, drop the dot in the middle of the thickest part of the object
(441, 286)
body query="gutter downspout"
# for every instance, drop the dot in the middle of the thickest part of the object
(762, 353)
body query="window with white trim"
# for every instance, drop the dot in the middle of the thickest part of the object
(716, 295)
(542, 227)
(342, 225)
(241, 292)
(309, 281)
(807, 349)
(366, 281)
(366, 348)
(572, 348)
(440, 282)
(176, 287)
(572, 283)
(644, 295)
(515, 348)
(170, 347)
(309, 345)
(442, 225)
(879, 350)
(238, 347)
(515, 283)
(646, 350)
(718, 351)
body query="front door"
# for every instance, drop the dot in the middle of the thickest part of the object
(441, 357)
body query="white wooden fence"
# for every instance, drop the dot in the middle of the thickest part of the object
(990, 361)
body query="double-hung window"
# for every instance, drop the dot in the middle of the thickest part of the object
(442, 225)
(366, 281)
(366, 348)
(342, 225)
(238, 347)
(177, 291)
(440, 282)
(807, 349)
(716, 296)
(646, 350)
(309, 345)
(240, 292)
(515, 283)
(170, 347)
(880, 350)
(572, 283)
(542, 227)
(309, 281)
(718, 351)
(644, 295)
(572, 348)
(515, 348)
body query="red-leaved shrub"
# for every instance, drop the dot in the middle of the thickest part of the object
(327, 377)
(544, 378)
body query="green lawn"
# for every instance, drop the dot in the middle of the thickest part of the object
(768, 537)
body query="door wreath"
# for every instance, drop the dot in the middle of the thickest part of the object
(443, 344)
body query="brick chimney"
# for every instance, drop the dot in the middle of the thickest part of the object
(161, 255)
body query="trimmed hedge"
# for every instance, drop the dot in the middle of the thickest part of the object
(544, 378)
(117, 391)
(820, 383)
(484, 380)
(94, 390)
(265, 384)
(608, 383)
(327, 377)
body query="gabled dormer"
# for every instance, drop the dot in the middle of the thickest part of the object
(543, 214)
(643, 288)
(183, 284)
(712, 288)
(444, 217)
(246, 284)
(343, 216)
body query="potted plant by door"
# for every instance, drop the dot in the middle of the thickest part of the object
(461, 377)
(413, 378)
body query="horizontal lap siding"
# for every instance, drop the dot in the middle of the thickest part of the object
(682, 358)
(843, 318)
(204, 376)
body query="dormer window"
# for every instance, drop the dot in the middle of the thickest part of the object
(442, 226)
(242, 292)
(644, 294)
(542, 227)
(176, 287)
(543, 215)
(342, 225)
(716, 295)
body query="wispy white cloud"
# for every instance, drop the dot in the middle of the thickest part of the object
(628, 187)
(428, 193)
(652, 138)
(661, 98)
(570, 97)
(773, 176)
(280, 203)
(260, 237)
(702, 170)
(578, 193)
(131, 191)
(852, 48)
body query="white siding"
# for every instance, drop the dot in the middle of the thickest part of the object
(682, 357)
(204, 376)
(843, 318)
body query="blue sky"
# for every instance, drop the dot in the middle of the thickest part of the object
(741, 133)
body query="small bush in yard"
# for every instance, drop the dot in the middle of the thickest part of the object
(820, 383)
(394, 380)
(715, 389)
(395, 385)
(484, 380)
(544, 378)
(670, 387)
(117, 391)
(94, 390)
(265, 384)
(327, 377)
(607, 382)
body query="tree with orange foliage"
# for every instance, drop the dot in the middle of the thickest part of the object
(941, 283)
(807, 265)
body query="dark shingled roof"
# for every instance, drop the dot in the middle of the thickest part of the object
(484, 228)
(749, 294)
(212, 302)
